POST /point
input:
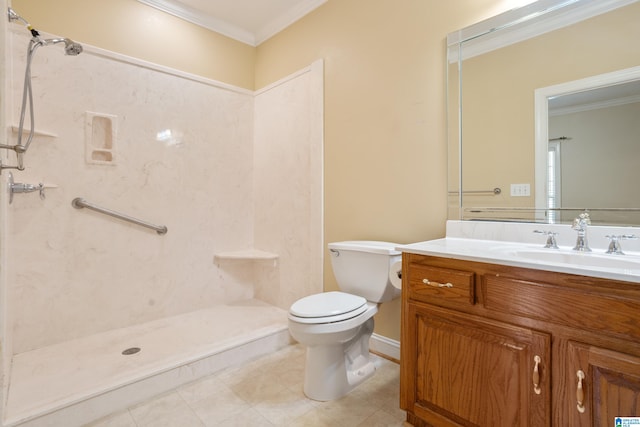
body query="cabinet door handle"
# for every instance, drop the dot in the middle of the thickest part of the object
(580, 392)
(536, 375)
(436, 284)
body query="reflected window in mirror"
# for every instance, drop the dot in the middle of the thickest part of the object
(554, 177)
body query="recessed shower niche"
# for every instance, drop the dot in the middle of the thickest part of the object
(100, 138)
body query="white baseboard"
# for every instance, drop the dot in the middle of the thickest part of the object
(385, 346)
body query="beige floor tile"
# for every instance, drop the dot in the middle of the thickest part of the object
(284, 408)
(259, 388)
(120, 419)
(317, 417)
(218, 408)
(268, 393)
(202, 389)
(348, 411)
(382, 418)
(166, 411)
(250, 418)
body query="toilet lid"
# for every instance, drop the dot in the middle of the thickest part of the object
(327, 304)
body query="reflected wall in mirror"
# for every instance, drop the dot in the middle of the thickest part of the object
(588, 143)
(497, 67)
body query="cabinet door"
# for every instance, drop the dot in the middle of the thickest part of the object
(468, 371)
(610, 386)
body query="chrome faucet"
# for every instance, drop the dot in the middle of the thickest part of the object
(614, 244)
(580, 225)
(551, 238)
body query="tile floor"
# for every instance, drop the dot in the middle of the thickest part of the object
(268, 392)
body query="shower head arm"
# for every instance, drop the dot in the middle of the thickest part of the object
(13, 16)
(70, 47)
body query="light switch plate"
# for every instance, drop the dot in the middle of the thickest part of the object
(520, 190)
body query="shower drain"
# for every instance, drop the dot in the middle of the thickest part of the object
(129, 351)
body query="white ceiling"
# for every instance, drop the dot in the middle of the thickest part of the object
(249, 21)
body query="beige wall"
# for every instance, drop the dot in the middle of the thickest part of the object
(601, 157)
(385, 139)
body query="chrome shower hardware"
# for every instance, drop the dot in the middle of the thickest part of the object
(19, 187)
(71, 48)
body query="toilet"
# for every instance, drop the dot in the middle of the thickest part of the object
(336, 326)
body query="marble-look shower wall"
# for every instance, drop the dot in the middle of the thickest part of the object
(74, 272)
(288, 164)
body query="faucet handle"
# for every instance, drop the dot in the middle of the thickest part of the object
(551, 238)
(581, 221)
(614, 244)
(41, 191)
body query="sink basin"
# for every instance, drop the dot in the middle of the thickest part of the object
(580, 258)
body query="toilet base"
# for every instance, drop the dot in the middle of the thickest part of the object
(332, 371)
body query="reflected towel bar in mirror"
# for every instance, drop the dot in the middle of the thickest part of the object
(495, 191)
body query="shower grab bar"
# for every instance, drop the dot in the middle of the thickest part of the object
(80, 203)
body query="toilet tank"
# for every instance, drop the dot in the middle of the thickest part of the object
(362, 268)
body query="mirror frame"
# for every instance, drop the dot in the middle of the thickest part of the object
(509, 28)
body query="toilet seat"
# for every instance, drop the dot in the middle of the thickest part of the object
(327, 307)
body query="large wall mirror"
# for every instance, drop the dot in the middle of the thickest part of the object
(544, 114)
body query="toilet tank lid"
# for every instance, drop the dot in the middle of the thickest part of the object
(371, 246)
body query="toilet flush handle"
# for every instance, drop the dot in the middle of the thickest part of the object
(335, 252)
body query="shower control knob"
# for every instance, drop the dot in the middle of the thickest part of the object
(20, 187)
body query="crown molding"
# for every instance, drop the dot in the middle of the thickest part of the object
(618, 102)
(283, 21)
(235, 32)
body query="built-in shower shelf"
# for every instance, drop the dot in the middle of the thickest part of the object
(247, 255)
(25, 130)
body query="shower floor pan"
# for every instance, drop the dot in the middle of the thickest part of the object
(75, 382)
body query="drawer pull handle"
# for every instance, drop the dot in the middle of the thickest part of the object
(436, 284)
(580, 392)
(536, 375)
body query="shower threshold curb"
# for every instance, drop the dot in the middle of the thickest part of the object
(78, 410)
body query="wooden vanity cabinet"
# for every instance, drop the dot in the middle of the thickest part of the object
(489, 345)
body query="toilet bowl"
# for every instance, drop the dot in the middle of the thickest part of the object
(336, 326)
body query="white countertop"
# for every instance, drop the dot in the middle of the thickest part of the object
(529, 255)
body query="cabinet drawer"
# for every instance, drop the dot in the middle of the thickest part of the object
(613, 315)
(440, 286)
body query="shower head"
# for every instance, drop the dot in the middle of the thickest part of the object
(70, 47)
(73, 48)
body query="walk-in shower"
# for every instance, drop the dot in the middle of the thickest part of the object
(79, 288)
(70, 48)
